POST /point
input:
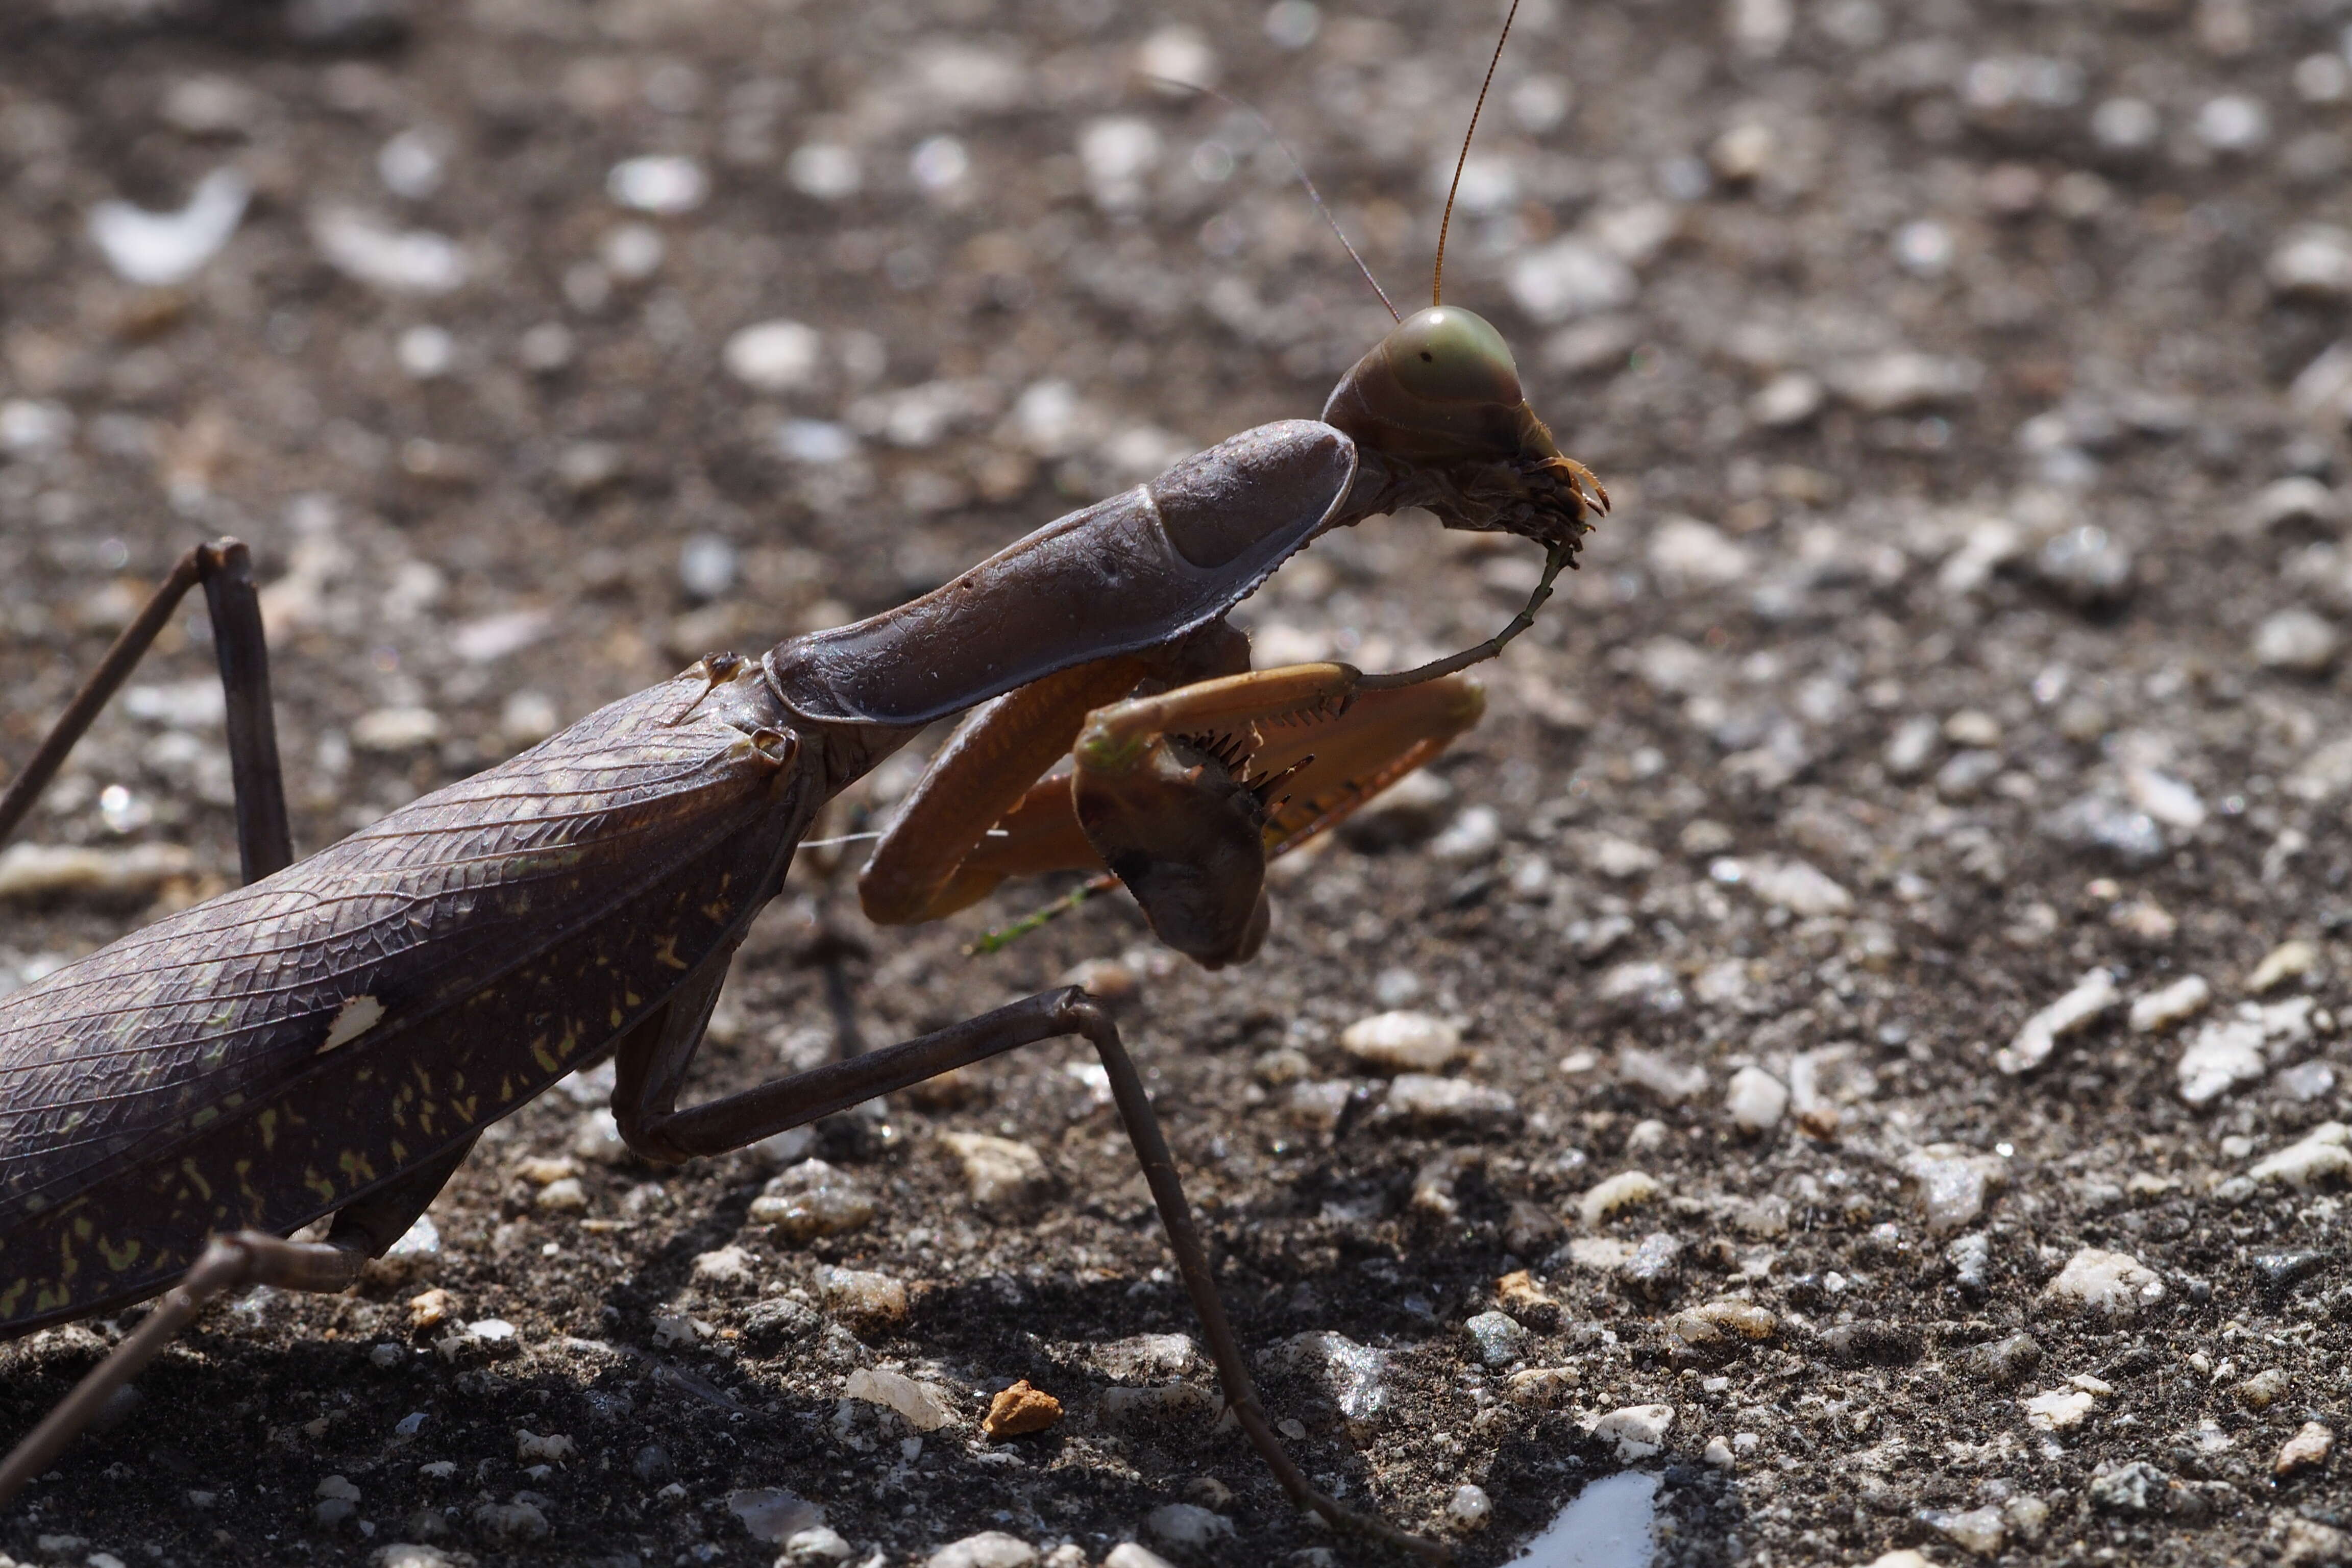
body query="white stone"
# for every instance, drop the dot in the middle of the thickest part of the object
(924, 1406)
(1638, 1431)
(2242, 1049)
(668, 185)
(1403, 1042)
(2297, 499)
(1001, 1174)
(398, 261)
(819, 1544)
(1188, 1525)
(1687, 554)
(1660, 1075)
(1952, 1183)
(1904, 382)
(1788, 399)
(2313, 262)
(1755, 1099)
(1469, 1508)
(2113, 1284)
(2160, 1009)
(775, 357)
(1117, 152)
(1623, 1190)
(989, 1548)
(863, 1293)
(1127, 1554)
(1978, 1532)
(2165, 798)
(44, 870)
(824, 170)
(2296, 640)
(1423, 1099)
(395, 729)
(2092, 996)
(1570, 277)
(2321, 1155)
(730, 1266)
(2056, 1410)
(1798, 887)
(162, 249)
(2288, 960)
(1357, 1377)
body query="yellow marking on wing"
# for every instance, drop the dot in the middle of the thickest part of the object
(120, 1258)
(268, 1130)
(319, 1184)
(666, 950)
(196, 1180)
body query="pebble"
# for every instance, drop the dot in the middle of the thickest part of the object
(517, 1519)
(2241, 1048)
(2112, 1284)
(409, 1554)
(2098, 821)
(2312, 263)
(1473, 834)
(2092, 998)
(1188, 1526)
(773, 1514)
(811, 1199)
(2183, 999)
(161, 250)
(1002, 1176)
(2307, 1449)
(44, 870)
(1317, 1105)
(1623, 1190)
(1019, 1410)
(338, 1500)
(1873, 1344)
(1978, 1532)
(2289, 960)
(2260, 1390)
(2298, 641)
(1789, 399)
(2088, 566)
(728, 1268)
(2057, 1409)
(1570, 277)
(1654, 1264)
(1128, 1554)
(2009, 1359)
(820, 1543)
(391, 729)
(1403, 1042)
(1424, 1102)
(1951, 1183)
(1637, 1431)
(1356, 1378)
(2321, 1155)
(775, 357)
(1610, 855)
(1965, 774)
(564, 1196)
(1755, 1099)
(2125, 125)
(1687, 554)
(1907, 383)
(2137, 1487)
(2298, 501)
(667, 184)
(1661, 1076)
(863, 1294)
(398, 261)
(1469, 1509)
(924, 1407)
(1912, 747)
(1497, 1339)
(989, 1548)
(1796, 886)
(1722, 1325)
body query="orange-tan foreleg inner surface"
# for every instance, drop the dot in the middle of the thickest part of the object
(1184, 794)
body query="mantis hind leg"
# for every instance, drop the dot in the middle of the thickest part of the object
(362, 1230)
(653, 1060)
(264, 843)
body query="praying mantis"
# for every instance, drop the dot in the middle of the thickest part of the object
(332, 1038)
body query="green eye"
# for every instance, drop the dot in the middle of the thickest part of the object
(1446, 355)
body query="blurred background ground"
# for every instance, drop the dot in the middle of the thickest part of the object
(1956, 682)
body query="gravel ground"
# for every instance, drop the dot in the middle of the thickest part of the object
(1874, 970)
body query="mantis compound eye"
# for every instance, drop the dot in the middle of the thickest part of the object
(1447, 354)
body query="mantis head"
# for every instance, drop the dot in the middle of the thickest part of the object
(1437, 408)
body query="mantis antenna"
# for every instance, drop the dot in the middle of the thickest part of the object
(1437, 278)
(1313, 194)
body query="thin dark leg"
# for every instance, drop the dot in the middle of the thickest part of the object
(641, 1104)
(229, 1263)
(111, 671)
(225, 569)
(264, 841)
